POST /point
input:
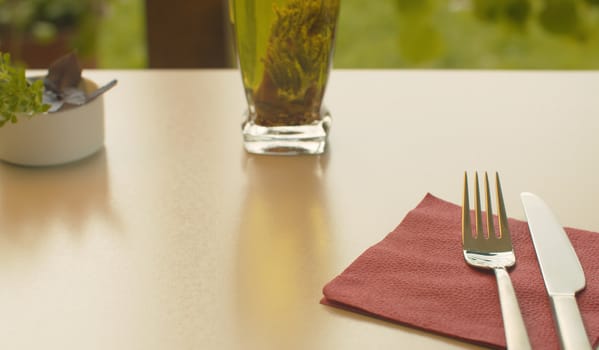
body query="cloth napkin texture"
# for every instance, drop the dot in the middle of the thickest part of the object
(417, 276)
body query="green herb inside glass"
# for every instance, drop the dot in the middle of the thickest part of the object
(285, 51)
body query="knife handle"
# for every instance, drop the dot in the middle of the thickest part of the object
(516, 336)
(570, 327)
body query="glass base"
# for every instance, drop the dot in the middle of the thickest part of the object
(287, 140)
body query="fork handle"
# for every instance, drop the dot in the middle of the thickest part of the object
(515, 331)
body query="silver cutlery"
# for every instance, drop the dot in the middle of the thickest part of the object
(562, 272)
(494, 252)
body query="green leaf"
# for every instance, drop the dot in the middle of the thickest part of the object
(17, 95)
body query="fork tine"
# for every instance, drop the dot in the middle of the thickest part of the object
(489, 209)
(496, 253)
(478, 215)
(504, 231)
(466, 224)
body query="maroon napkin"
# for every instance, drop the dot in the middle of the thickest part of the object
(417, 276)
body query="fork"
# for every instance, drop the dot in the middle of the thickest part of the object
(494, 252)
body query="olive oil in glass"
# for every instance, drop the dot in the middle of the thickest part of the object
(285, 50)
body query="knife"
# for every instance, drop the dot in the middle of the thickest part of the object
(562, 272)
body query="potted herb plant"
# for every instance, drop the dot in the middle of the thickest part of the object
(18, 96)
(49, 120)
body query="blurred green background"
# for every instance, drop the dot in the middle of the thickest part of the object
(478, 34)
(104, 33)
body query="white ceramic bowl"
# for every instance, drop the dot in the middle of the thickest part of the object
(55, 138)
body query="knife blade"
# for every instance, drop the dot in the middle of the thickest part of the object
(561, 270)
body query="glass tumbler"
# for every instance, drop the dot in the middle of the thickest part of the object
(285, 50)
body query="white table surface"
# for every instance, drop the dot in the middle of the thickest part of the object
(173, 237)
